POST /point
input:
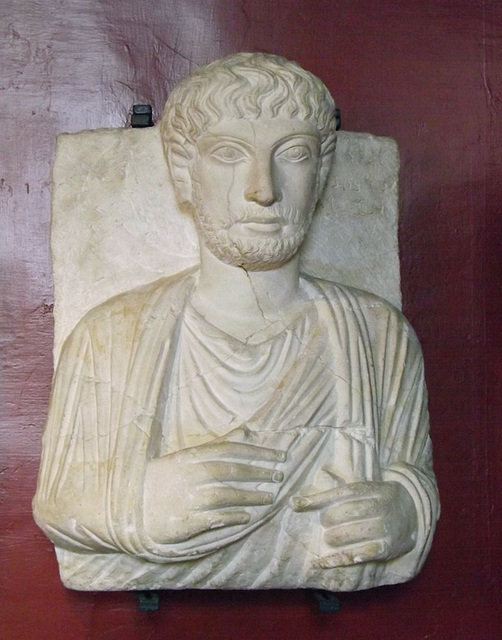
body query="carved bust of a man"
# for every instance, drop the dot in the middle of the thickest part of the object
(240, 425)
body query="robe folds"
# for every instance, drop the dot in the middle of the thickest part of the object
(107, 418)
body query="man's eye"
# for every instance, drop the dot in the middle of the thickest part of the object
(297, 153)
(228, 154)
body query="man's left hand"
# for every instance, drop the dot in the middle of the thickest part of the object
(363, 522)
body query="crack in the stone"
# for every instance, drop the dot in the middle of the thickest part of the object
(257, 301)
(202, 374)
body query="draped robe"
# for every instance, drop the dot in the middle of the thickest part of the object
(114, 406)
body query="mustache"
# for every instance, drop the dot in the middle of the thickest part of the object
(286, 214)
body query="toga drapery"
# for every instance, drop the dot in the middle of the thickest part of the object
(354, 400)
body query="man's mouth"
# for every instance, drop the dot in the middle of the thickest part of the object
(264, 224)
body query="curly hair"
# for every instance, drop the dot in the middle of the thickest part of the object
(245, 85)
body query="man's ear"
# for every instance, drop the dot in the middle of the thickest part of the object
(178, 163)
(324, 171)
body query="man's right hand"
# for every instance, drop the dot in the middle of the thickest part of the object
(193, 490)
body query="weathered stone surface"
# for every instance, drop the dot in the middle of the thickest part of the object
(233, 424)
(115, 223)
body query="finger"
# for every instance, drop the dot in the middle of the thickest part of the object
(355, 532)
(374, 551)
(220, 519)
(219, 497)
(346, 494)
(221, 471)
(237, 450)
(314, 502)
(350, 511)
(203, 522)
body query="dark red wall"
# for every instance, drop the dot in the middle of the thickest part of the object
(426, 72)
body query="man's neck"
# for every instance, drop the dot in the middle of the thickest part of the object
(243, 302)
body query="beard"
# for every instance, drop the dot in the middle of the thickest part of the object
(229, 243)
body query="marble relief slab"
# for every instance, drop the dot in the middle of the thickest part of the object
(238, 402)
(116, 225)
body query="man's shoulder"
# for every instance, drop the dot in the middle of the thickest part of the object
(378, 314)
(342, 293)
(139, 306)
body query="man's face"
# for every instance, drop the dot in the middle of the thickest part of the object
(255, 186)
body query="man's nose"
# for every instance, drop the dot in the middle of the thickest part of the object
(261, 187)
